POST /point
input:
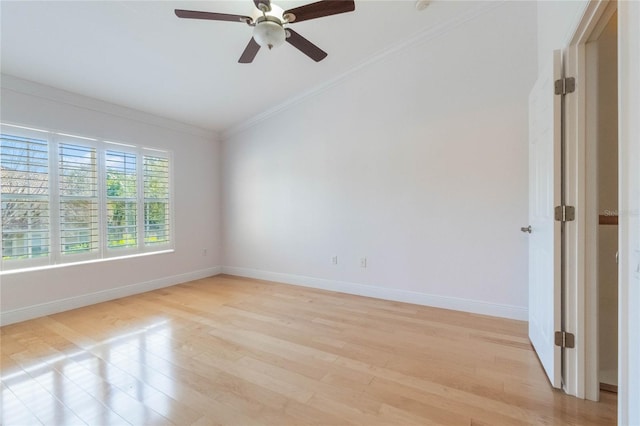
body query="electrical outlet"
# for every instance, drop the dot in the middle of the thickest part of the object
(363, 262)
(334, 260)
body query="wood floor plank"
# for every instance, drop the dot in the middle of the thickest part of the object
(14, 411)
(232, 351)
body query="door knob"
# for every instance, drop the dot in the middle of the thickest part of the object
(527, 229)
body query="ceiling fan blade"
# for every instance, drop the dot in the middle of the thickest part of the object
(305, 46)
(320, 9)
(212, 16)
(266, 3)
(250, 52)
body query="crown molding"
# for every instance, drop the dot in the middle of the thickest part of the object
(32, 88)
(421, 37)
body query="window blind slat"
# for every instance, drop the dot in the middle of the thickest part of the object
(156, 200)
(122, 205)
(78, 189)
(24, 196)
(85, 172)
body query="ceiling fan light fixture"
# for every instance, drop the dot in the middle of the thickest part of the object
(269, 34)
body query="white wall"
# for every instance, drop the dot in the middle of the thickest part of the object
(557, 21)
(196, 195)
(418, 162)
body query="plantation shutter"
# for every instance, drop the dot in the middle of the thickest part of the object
(78, 189)
(122, 201)
(156, 200)
(67, 198)
(24, 166)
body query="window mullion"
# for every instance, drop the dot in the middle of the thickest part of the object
(54, 200)
(140, 211)
(102, 201)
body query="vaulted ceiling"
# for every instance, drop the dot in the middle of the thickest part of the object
(140, 55)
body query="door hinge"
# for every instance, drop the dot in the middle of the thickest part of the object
(565, 213)
(565, 340)
(565, 85)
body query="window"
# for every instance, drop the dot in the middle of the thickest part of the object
(156, 200)
(66, 199)
(78, 189)
(24, 163)
(122, 200)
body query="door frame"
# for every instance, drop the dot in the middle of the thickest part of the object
(581, 308)
(629, 205)
(582, 367)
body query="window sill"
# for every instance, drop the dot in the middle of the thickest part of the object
(83, 262)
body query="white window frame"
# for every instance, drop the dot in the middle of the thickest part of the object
(122, 251)
(151, 152)
(55, 257)
(43, 260)
(56, 141)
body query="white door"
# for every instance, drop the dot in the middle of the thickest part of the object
(544, 238)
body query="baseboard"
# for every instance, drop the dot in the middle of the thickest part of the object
(446, 302)
(49, 308)
(608, 387)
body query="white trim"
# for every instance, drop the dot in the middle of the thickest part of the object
(581, 304)
(19, 85)
(584, 358)
(589, 231)
(629, 213)
(406, 296)
(385, 293)
(49, 308)
(82, 262)
(581, 309)
(31, 129)
(421, 37)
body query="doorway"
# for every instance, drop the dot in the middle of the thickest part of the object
(602, 187)
(581, 310)
(592, 139)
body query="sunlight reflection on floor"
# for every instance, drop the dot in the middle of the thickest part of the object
(103, 383)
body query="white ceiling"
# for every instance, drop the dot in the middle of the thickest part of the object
(140, 55)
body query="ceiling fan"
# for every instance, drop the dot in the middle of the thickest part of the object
(271, 31)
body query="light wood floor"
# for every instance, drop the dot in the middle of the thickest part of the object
(232, 351)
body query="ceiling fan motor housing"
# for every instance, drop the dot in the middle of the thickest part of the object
(269, 32)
